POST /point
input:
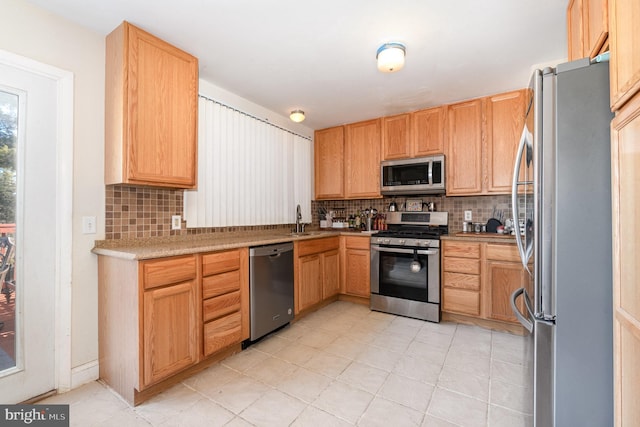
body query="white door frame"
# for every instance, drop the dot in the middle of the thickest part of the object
(63, 208)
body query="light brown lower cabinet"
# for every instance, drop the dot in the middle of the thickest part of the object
(159, 318)
(357, 265)
(478, 279)
(225, 299)
(316, 271)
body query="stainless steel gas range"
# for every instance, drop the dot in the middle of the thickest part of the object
(405, 265)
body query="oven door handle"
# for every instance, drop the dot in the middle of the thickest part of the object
(404, 251)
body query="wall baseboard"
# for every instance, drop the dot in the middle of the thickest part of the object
(84, 374)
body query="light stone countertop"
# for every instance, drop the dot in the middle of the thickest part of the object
(159, 247)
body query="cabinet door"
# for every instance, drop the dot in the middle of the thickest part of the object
(505, 120)
(163, 88)
(626, 269)
(428, 131)
(503, 278)
(169, 331)
(575, 30)
(464, 167)
(624, 16)
(330, 273)
(328, 151)
(362, 160)
(596, 27)
(310, 282)
(150, 111)
(358, 272)
(396, 139)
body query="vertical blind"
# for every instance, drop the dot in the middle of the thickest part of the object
(250, 172)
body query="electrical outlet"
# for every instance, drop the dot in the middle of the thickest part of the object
(176, 222)
(88, 225)
(468, 215)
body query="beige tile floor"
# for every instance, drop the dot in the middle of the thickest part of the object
(342, 365)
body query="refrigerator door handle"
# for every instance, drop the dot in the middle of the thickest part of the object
(528, 324)
(514, 196)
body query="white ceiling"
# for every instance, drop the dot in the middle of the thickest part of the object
(319, 56)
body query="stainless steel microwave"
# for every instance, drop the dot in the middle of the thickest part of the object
(422, 175)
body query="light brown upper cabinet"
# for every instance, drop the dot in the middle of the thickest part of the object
(464, 148)
(505, 120)
(483, 136)
(587, 28)
(420, 133)
(328, 158)
(428, 131)
(396, 137)
(625, 51)
(150, 111)
(362, 159)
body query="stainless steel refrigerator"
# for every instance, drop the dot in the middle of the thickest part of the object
(562, 196)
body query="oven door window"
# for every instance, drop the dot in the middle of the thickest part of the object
(397, 280)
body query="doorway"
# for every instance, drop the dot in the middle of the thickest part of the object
(35, 227)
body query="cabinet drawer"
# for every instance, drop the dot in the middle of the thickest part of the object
(353, 242)
(503, 252)
(461, 301)
(461, 265)
(222, 333)
(462, 249)
(220, 262)
(315, 246)
(168, 270)
(220, 284)
(461, 281)
(214, 308)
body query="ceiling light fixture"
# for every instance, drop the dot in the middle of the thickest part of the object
(390, 57)
(297, 116)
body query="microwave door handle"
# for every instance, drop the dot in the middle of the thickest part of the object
(528, 324)
(430, 173)
(514, 196)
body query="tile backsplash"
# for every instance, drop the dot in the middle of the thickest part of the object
(482, 206)
(141, 212)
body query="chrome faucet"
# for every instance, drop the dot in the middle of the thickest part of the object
(299, 224)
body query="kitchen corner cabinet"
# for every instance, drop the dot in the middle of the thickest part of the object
(316, 271)
(625, 142)
(483, 136)
(624, 16)
(587, 28)
(356, 275)
(150, 112)
(148, 316)
(362, 159)
(328, 158)
(225, 299)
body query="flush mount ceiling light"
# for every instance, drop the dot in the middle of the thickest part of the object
(390, 57)
(297, 116)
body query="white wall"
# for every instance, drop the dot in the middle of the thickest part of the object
(34, 33)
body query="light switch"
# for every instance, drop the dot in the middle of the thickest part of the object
(176, 222)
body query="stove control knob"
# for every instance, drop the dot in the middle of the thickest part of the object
(401, 242)
(386, 241)
(379, 240)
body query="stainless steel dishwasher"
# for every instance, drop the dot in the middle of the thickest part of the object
(270, 288)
